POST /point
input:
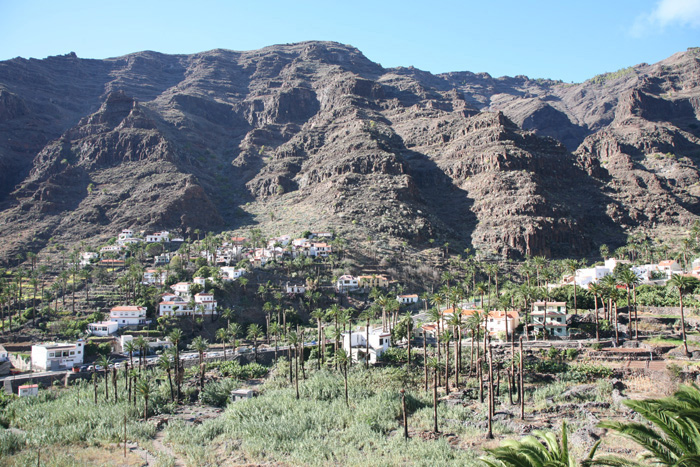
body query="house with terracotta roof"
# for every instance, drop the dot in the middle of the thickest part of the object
(174, 305)
(500, 321)
(375, 280)
(670, 267)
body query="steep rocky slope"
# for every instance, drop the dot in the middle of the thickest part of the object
(315, 135)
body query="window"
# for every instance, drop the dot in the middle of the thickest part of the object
(72, 352)
(51, 354)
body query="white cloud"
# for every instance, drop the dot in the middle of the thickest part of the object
(668, 13)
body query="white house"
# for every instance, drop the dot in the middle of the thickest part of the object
(556, 318)
(126, 233)
(500, 321)
(111, 249)
(151, 277)
(128, 315)
(206, 302)
(182, 289)
(346, 283)
(153, 343)
(200, 281)
(163, 236)
(232, 273)
(407, 299)
(355, 343)
(174, 305)
(57, 356)
(88, 257)
(103, 328)
(295, 289)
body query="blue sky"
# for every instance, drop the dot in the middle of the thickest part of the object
(560, 39)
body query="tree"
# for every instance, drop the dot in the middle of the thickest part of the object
(165, 364)
(255, 333)
(342, 359)
(104, 361)
(222, 336)
(434, 365)
(143, 387)
(673, 439)
(629, 279)
(684, 285)
(233, 330)
(541, 450)
(200, 345)
(176, 338)
(597, 291)
(293, 340)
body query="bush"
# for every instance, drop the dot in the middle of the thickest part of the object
(218, 393)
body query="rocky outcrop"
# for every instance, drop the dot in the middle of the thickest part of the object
(315, 135)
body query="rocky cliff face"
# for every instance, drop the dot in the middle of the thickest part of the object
(314, 135)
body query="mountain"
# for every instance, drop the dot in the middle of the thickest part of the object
(316, 136)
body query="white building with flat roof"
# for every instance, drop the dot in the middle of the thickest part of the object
(103, 328)
(57, 356)
(129, 315)
(355, 344)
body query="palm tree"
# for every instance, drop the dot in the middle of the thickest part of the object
(684, 285)
(222, 336)
(143, 387)
(456, 322)
(674, 437)
(276, 329)
(481, 290)
(541, 450)
(570, 266)
(342, 358)
(165, 364)
(293, 341)
(436, 315)
(142, 345)
(255, 333)
(228, 314)
(176, 338)
(233, 330)
(597, 291)
(434, 364)
(104, 361)
(200, 345)
(629, 279)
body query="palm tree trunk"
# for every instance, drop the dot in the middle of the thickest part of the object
(522, 387)
(595, 304)
(425, 361)
(489, 435)
(435, 385)
(685, 342)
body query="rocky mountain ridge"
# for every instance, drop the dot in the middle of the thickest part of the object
(315, 135)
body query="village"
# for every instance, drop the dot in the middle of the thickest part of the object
(277, 307)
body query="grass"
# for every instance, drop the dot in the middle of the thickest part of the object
(318, 429)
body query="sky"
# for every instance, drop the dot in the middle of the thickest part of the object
(557, 39)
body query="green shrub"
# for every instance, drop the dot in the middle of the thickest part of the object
(217, 393)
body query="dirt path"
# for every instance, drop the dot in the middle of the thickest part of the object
(163, 448)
